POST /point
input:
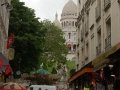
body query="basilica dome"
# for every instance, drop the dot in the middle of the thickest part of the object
(69, 8)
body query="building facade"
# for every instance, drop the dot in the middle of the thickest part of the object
(5, 8)
(68, 20)
(98, 45)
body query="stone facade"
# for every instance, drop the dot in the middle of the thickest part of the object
(5, 8)
(98, 46)
(98, 28)
(68, 21)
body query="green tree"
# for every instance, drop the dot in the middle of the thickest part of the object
(35, 42)
(28, 37)
(55, 49)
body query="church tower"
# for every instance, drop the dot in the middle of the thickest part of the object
(68, 20)
(56, 21)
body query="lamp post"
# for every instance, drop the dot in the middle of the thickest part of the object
(19, 64)
(19, 72)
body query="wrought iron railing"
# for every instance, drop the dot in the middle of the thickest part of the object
(108, 42)
(107, 4)
(98, 49)
(98, 13)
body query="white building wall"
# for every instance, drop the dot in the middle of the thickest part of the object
(115, 22)
(113, 12)
(5, 7)
(73, 38)
(69, 16)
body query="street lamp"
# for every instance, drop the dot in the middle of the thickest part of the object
(19, 72)
(110, 66)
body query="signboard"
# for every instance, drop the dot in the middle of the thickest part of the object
(10, 53)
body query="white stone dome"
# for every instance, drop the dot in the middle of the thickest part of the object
(69, 8)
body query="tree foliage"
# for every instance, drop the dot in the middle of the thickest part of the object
(54, 46)
(35, 42)
(28, 37)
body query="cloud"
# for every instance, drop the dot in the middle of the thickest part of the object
(46, 9)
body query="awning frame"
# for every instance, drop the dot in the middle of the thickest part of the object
(102, 60)
(80, 73)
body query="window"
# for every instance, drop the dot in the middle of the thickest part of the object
(69, 47)
(82, 33)
(73, 23)
(92, 46)
(31, 88)
(119, 1)
(98, 48)
(70, 23)
(98, 10)
(87, 51)
(79, 1)
(92, 1)
(108, 27)
(82, 53)
(87, 24)
(99, 36)
(108, 34)
(107, 4)
(74, 47)
(64, 24)
(67, 23)
(77, 66)
(1, 42)
(69, 34)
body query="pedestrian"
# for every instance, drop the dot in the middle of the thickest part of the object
(92, 87)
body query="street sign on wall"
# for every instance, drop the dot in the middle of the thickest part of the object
(10, 53)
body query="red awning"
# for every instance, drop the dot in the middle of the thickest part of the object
(80, 73)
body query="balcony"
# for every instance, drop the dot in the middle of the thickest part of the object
(86, 58)
(108, 42)
(98, 49)
(98, 13)
(107, 4)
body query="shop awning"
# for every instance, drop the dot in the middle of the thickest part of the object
(102, 60)
(80, 73)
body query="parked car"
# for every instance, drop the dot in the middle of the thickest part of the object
(42, 87)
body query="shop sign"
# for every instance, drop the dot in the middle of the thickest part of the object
(10, 53)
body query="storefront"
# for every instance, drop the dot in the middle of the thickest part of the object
(104, 73)
(5, 68)
(82, 79)
(107, 67)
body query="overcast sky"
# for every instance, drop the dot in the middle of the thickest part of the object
(46, 9)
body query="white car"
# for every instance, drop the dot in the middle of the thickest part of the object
(42, 87)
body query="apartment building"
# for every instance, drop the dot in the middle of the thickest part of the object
(98, 45)
(5, 8)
